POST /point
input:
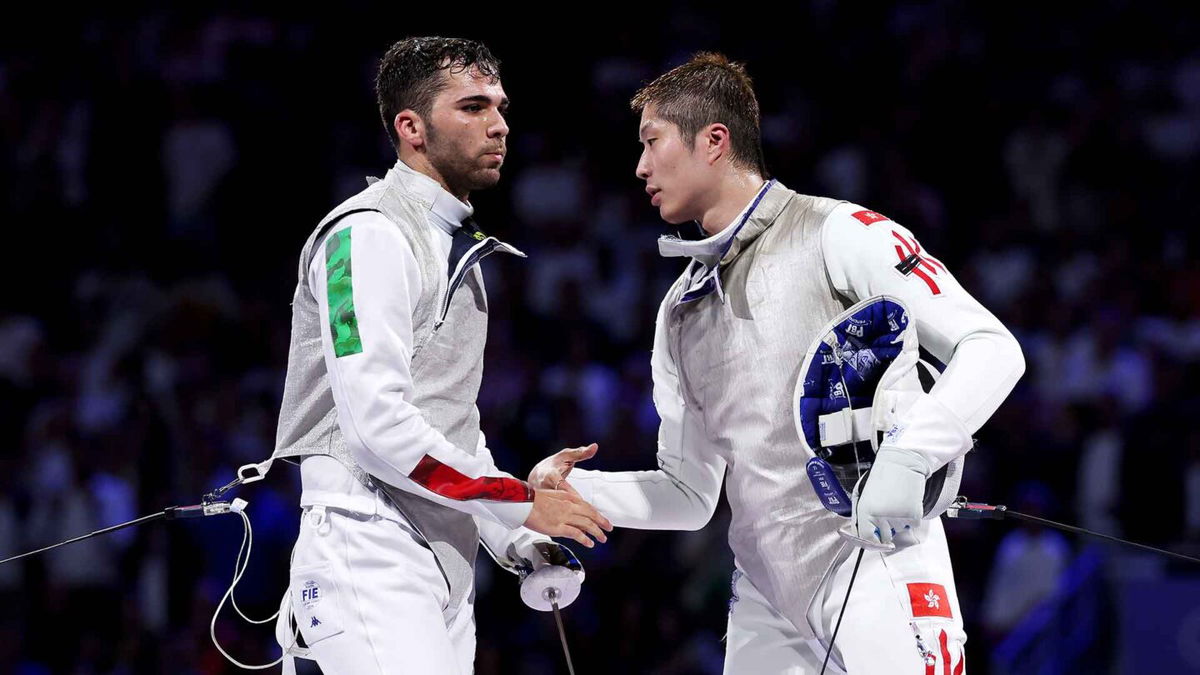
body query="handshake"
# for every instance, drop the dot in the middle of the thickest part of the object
(558, 510)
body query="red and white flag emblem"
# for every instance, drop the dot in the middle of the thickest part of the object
(929, 600)
(868, 218)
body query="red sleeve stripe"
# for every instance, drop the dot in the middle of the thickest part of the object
(933, 287)
(915, 250)
(445, 481)
(943, 639)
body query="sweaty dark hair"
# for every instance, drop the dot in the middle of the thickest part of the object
(709, 89)
(411, 74)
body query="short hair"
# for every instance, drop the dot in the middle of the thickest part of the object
(411, 74)
(709, 89)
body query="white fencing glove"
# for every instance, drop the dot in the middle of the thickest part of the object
(890, 505)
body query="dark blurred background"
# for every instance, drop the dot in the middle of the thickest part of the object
(161, 169)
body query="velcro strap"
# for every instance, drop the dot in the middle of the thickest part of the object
(845, 426)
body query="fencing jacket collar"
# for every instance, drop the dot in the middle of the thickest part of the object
(468, 245)
(708, 255)
(447, 210)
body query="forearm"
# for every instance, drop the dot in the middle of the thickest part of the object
(981, 374)
(645, 500)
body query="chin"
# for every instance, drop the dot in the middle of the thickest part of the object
(489, 176)
(672, 217)
(484, 179)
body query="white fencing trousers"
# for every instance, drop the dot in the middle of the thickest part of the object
(914, 584)
(369, 599)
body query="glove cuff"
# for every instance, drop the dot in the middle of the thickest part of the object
(908, 459)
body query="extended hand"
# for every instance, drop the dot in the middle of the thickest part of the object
(551, 473)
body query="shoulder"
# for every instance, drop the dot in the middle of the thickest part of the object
(362, 235)
(801, 220)
(866, 252)
(851, 230)
(371, 226)
(854, 221)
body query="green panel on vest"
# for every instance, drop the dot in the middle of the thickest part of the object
(343, 324)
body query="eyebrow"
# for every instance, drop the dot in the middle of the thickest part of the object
(480, 98)
(642, 130)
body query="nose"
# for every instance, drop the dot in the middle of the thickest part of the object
(498, 128)
(643, 167)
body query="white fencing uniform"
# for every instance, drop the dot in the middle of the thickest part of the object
(388, 331)
(730, 338)
(380, 605)
(916, 583)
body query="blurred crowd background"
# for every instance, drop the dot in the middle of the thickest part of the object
(160, 169)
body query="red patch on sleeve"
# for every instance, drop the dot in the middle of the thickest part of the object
(929, 600)
(868, 218)
(449, 483)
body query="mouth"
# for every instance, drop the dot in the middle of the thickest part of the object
(498, 156)
(655, 195)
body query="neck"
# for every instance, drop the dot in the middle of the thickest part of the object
(419, 162)
(733, 194)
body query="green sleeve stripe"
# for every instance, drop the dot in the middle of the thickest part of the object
(343, 324)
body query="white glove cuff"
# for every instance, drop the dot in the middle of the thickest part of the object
(929, 433)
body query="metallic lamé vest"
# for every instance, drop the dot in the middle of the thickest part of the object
(447, 365)
(738, 360)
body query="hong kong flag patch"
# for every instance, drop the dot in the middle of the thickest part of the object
(868, 218)
(929, 600)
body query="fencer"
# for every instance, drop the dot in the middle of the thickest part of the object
(771, 273)
(389, 320)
